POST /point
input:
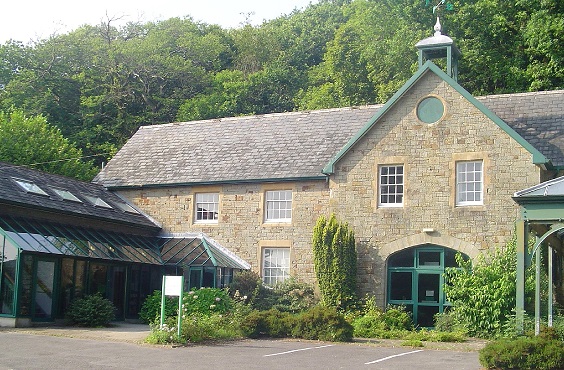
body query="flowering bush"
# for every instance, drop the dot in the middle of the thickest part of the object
(151, 308)
(206, 301)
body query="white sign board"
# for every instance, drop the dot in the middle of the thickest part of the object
(173, 285)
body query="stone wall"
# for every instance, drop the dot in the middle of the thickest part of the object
(240, 227)
(429, 153)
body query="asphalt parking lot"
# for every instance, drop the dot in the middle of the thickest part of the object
(22, 350)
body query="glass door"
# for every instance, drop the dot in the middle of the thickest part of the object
(44, 284)
(415, 280)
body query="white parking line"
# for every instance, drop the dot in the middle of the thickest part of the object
(297, 350)
(390, 357)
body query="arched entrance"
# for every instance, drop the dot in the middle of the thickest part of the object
(415, 280)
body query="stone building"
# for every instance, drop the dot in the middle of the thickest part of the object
(430, 173)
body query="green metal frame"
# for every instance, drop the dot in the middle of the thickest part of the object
(416, 270)
(15, 304)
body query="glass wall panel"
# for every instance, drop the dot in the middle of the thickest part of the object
(425, 315)
(67, 284)
(26, 285)
(116, 288)
(429, 259)
(401, 286)
(209, 277)
(195, 278)
(428, 287)
(8, 268)
(44, 284)
(80, 279)
(98, 283)
(403, 259)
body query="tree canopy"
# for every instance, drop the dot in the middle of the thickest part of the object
(33, 142)
(98, 84)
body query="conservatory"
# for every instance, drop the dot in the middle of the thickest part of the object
(61, 239)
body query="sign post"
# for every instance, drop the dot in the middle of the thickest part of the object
(172, 286)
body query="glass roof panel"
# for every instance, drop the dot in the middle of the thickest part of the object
(79, 242)
(98, 202)
(30, 187)
(66, 195)
(126, 208)
(52, 238)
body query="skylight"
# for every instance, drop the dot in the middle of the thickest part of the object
(98, 202)
(66, 195)
(127, 208)
(30, 187)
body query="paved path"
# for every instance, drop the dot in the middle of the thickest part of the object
(121, 347)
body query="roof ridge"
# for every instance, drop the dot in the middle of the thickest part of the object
(255, 116)
(527, 93)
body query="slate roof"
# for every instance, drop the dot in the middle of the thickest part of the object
(538, 117)
(293, 145)
(12, 193)
(252, 148)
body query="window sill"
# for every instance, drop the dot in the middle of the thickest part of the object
(277, 223)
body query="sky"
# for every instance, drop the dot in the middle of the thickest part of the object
(26, 20)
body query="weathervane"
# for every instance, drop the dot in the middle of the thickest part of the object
(442, 3)
(447, 5)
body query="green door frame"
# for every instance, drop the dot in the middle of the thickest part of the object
(416, 270)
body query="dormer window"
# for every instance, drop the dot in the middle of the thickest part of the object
(30, 187)
(98, 202)
(66, 195)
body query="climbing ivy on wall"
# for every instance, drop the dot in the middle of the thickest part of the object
(335, 260)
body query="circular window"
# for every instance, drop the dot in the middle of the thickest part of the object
(430, 109)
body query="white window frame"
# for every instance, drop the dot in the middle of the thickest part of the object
(391, 185)
(470, 183)
(275, 265)
(278, 206)
(211, 203)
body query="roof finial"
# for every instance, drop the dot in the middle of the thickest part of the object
(438, 27)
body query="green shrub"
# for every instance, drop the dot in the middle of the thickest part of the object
(245, 285)
(412, 343)
(195, 328)
(446, 322)
(271, 323)
(293, 296)
(322, 323)
(287, 296)
(335, 263)
(151, 308)
(368, 326)
(91, 311)
(377, 324)
(523, 353)
(206, 301)
(397, 318)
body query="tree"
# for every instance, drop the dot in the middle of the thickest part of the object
(335, 262)
(31, 141)
(483, 294)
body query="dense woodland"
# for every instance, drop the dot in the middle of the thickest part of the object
(91, 89)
